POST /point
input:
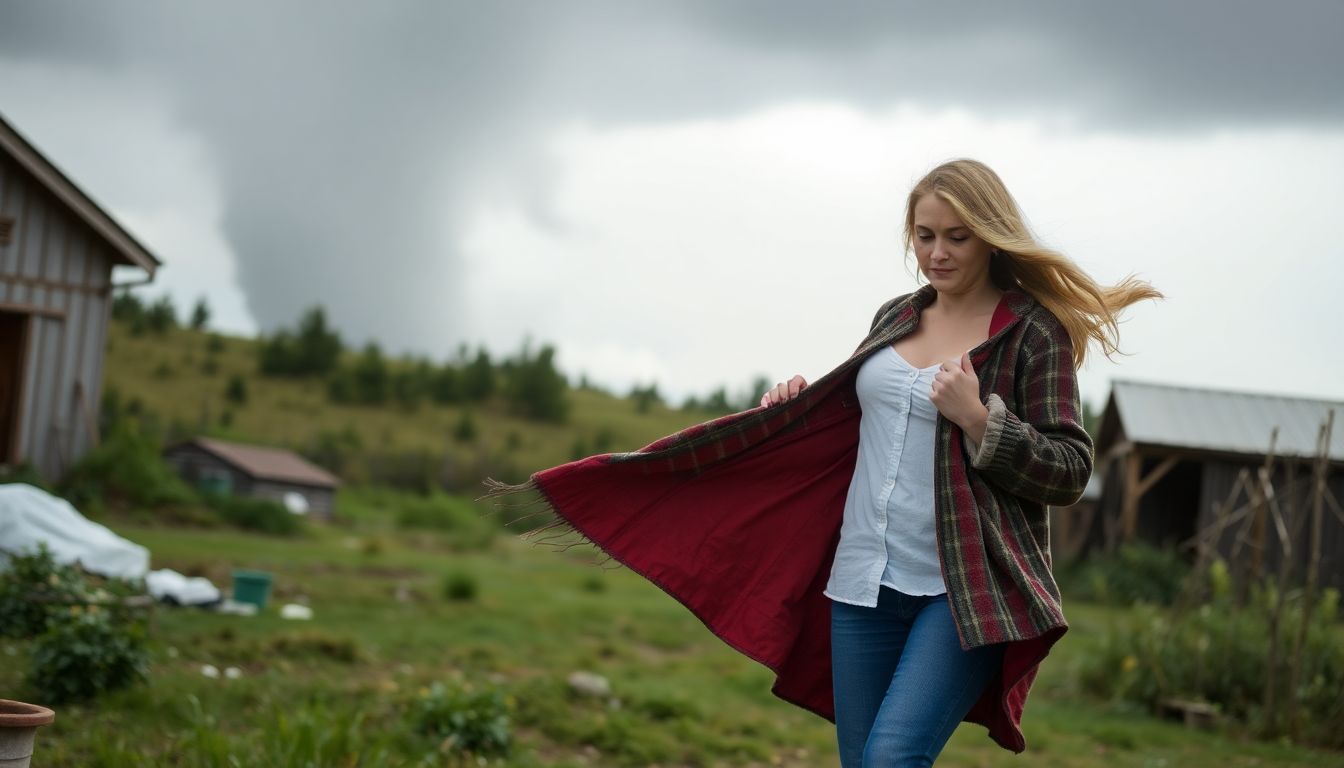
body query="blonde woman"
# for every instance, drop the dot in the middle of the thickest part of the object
(941, 587)
(878, 538)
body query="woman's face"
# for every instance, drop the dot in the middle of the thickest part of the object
(951, 257)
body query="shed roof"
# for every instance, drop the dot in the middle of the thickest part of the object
(1223, 421)
(127, 248)
(268, 463)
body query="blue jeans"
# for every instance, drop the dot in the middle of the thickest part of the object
(902, 682)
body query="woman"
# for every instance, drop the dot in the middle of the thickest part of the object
(915, 464)
(903, 676)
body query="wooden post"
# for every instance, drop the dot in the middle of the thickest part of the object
(1136, 485)
(1130, 515)
(1320, 471)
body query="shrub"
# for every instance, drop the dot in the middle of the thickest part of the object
(261, 515)
(460, 587)
(465, 431)
(23, 472)
(462, 721)
(86, 652)
(34, 587)
(1217, 653)
(126, 469)
(1136, 573)
(236, 390)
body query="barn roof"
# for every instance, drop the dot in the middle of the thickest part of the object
(1221, 421)
(127, 248)
(268, 463)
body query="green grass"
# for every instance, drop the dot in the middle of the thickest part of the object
(342, 684)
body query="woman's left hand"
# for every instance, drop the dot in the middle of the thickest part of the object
(956, 395)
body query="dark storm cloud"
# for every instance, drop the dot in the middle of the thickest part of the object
(354, 136)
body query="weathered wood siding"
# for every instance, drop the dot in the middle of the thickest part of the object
(199, 467)
(57, 272)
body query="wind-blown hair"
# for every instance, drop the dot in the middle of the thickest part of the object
(1089, 311)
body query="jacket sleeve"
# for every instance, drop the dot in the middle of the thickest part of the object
(1041, 453)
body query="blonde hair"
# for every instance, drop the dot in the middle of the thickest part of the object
(1088, 311)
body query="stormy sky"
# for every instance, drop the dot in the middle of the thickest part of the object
(698, 192)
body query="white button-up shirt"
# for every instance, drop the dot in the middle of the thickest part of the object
(887, 536)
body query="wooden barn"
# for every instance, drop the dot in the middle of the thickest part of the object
(1177, 461)
(250, 470)
(57, 251)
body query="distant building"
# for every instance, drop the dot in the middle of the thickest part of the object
(1169, 459)
(250, 470)
(57, 250)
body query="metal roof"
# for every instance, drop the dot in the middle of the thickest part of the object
(268, 463)
(1219, 420)
(130, 250)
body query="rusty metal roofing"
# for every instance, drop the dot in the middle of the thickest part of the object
(1219, 420)
(269, 463)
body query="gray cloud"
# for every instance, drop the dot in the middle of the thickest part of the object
(353, 137)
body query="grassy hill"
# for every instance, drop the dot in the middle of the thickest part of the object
(181, 378)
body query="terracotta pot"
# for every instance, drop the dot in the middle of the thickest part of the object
(18, 725)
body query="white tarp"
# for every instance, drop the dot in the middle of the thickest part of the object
(167, 583)
(29, 516)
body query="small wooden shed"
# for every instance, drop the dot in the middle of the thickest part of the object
(57, 251)
(1170, 459)
(256, 471)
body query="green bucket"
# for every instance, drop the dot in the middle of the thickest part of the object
(251, 587)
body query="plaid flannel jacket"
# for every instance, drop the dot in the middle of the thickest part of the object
(738, 518)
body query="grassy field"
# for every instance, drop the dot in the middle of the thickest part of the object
(384, 631)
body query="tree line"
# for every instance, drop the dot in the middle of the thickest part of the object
(528, 381)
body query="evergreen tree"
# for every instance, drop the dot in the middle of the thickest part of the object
(646, 397)
(370, 377)
(127, 307)
(161, 316)
(200, 315)
(478, 378)
(318, 347)
(465, 431)
(536, 389)
(236, 391)
(314, 350)
(445, 385)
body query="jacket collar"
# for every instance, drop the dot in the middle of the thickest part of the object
(903, 318)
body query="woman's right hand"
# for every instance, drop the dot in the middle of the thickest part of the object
(783, 392)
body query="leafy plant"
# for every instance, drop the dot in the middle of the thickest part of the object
(1136, 573)
(1218, 653)
(86, 652)
(34, 587)
(463, 721)
(460, 587)
(126, 468)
